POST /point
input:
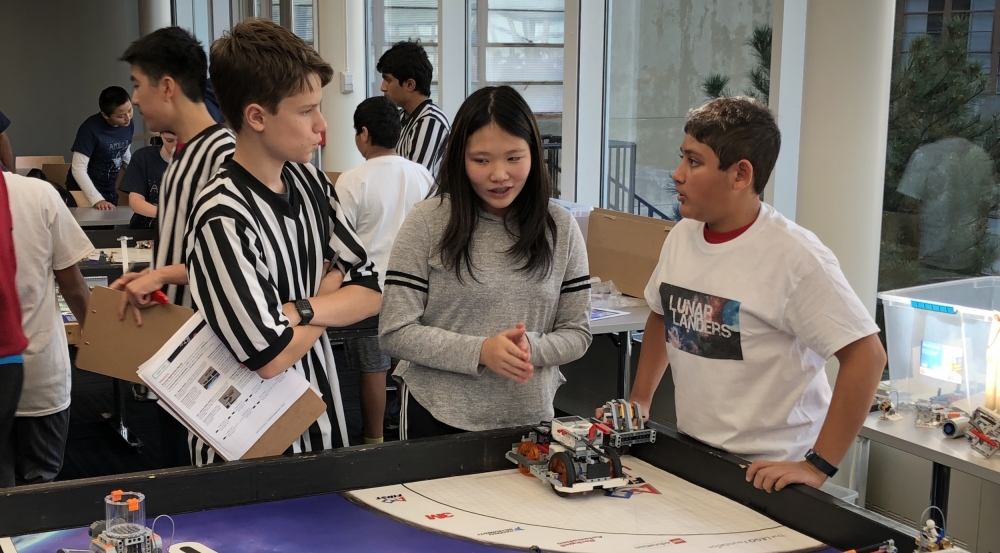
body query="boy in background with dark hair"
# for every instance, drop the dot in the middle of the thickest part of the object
(266, 231)
(169, 72)
(406, 80)
(101, 149)
(750, 306)
(376, 196)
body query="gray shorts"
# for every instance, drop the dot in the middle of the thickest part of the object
(365, 355)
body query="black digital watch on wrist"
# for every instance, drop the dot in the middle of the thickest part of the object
(815, 460)
(305, 311)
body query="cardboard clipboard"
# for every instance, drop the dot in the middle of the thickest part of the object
(276, 440)
(116, 348)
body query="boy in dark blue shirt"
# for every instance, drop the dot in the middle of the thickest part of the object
(101, 149)
(142, 180)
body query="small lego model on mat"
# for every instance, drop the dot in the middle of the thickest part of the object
(575, 454)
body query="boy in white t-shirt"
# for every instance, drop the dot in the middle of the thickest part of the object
(751, 306)
(48, 242)
(376, 196)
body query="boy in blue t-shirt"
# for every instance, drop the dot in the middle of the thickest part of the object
(142, 180)
(101, 149)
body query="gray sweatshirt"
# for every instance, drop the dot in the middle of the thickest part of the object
(437, 325)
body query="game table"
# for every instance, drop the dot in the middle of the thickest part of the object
(356, 499)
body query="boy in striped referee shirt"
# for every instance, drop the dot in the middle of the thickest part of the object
(265, 232)
(406, 80)
(169, 75)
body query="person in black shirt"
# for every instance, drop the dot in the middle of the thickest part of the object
(142, 180)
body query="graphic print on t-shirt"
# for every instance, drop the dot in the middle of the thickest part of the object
(701, 324)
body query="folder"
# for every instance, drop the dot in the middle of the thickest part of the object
(116, 348)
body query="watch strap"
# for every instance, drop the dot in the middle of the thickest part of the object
(305, 311)
(819, 462)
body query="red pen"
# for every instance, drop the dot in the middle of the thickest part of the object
(159, 297)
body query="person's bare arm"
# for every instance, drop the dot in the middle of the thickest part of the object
(861, 366)
(139, 205)
(345, 306)
(6, 152)
(303, 339)
(139, 286)
(653, 362)
(74, 290)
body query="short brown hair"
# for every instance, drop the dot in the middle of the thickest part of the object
(738, 128)
(261, 62)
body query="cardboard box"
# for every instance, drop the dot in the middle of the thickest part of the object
(624, 248)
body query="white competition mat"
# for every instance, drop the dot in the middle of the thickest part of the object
(664, 512)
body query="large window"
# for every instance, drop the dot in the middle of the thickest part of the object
(520, 43)
(523, 48)
(206, 19)
(663, 61)
(296, 15)
(940, 217)
(391, 21)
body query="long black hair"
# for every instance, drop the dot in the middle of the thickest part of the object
(528, 217)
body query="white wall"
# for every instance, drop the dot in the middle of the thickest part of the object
(343, 51)
(57, 57)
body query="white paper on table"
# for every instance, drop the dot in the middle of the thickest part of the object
(204, 386)
(597, 313)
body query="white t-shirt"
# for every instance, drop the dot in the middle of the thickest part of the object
(46, 238)
(750, 324)
(376, 196)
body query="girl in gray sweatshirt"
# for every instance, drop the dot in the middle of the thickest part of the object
(487, 290)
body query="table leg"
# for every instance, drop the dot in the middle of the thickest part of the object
(940, 485)
(117, 417)
(858, 480)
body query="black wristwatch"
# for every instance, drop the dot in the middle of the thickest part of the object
(305, 310)
(826, 468)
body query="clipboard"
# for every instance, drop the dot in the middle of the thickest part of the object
(305, 411)
(116, 348)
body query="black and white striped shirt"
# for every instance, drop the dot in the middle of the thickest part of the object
(188, 171)
(249, 251)
(424, 136)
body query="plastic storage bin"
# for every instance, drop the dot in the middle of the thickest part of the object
(937, 335)
(580, 212)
